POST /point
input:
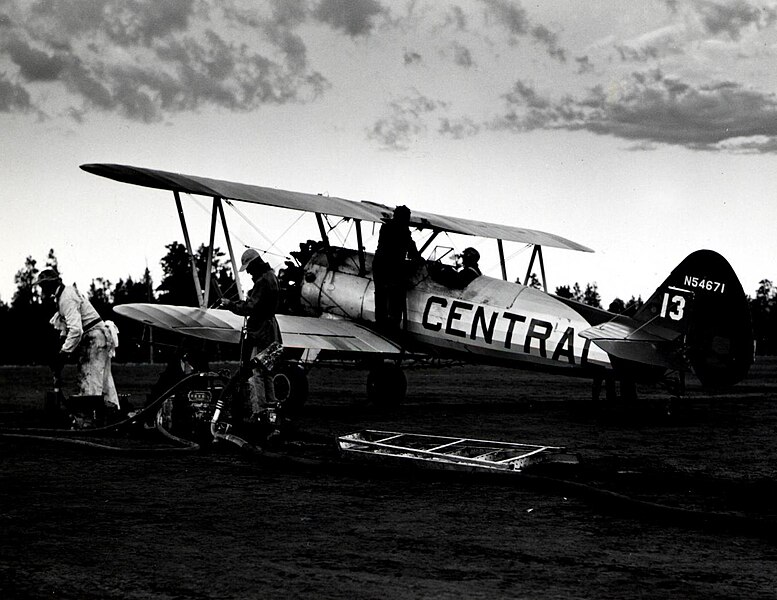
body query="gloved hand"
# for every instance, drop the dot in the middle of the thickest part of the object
(225, 303)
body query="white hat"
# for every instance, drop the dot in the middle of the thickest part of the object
(248, 257)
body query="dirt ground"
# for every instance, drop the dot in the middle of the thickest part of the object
(81, 523)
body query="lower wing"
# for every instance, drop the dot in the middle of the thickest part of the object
(223, 326)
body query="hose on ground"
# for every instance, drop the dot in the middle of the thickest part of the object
(71, 435)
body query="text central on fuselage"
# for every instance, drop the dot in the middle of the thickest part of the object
(464, 320)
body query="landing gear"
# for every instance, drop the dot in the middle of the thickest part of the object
(386, 385)
(674, 383)
(628, 389)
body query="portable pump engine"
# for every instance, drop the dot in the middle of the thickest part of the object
(193, 403)
(187, 411)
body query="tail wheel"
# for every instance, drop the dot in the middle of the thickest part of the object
(386, 385)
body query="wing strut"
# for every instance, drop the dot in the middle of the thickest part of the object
(502, 258)
(203, 296)
(435, 233)
(195, 275)
(360, 248)
(209, 261)
(537, 253)
(238, 286)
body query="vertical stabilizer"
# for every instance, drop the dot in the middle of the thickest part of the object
(703, 301)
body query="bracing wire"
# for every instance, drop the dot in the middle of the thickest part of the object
(272, 244)
(249, 222)
(492, 266)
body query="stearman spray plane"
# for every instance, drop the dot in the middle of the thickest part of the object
(697, 321)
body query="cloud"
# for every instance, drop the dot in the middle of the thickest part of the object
(34, 64)
(545, 36)
(515, 20)
(149, 60)
(462, 55)
(584, 64)
(696, 24)
(13, 97)
(354, 17)
(458, 129)
(411, 58)
(510, 15)
(653, 108)
(406, 122)
(643, 54)
(729, 17)
(523, 94)
(457, 17)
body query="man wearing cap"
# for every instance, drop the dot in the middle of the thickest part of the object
(262, 327)
(86, 337)
(389, 269)
(458, 278)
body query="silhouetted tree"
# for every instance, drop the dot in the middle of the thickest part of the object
(101, 296)
(51, 260)
(177, 286)
(574, 293)
(617, 306)
(534, 282)
(633, 305)
(135, 338)
(129, 290)
(591, 296)
(763, 310)
(28, 338)
(26, 293)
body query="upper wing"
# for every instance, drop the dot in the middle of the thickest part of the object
(224, 326)
(365, 211)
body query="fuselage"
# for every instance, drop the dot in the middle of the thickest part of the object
(491, 320)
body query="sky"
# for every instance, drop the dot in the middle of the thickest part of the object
(643, 129)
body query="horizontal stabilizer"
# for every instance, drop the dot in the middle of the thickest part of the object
(630, 340)
(223, 326)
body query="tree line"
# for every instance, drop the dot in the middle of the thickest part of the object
(28, 337)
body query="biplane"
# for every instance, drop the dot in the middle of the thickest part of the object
(696, 321)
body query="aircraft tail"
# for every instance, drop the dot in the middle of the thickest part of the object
(702, 303)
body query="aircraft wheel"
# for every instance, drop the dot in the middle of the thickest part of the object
(386, 385)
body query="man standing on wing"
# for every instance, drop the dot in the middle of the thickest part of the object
(390, 270)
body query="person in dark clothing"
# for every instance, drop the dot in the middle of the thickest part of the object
(262, 328)
(390, 271)
(458, 278)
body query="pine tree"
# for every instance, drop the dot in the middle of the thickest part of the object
(101, 296)
(26, 293)
(591, 295)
